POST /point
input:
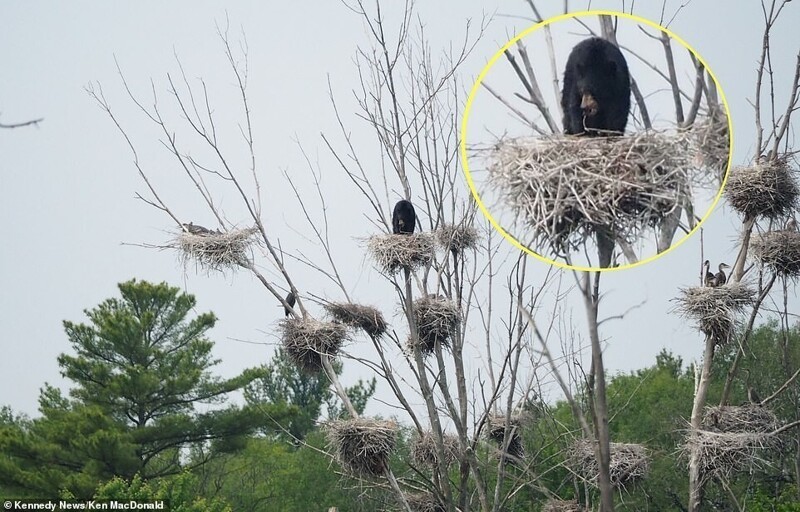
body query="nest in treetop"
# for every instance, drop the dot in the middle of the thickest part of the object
(714, 308)
(367, 318)
(362, 446)
(396, 252)
(496, 428)
(763, 189)
(554, 505)
(711, 137)
(564, 187)
(437, 320)
(779, 250)
(214, 250)
(424, 502)
(733, 439)
(306, 338)
(457, 238)
(423, 449)
(629, 462)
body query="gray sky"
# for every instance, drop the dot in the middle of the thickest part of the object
(68, 185)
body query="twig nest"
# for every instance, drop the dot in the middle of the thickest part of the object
(629, 462)
(396, 252)
(366, 318)
(763, 189)
(733, 439)
(712, 140)
(362, 446)
(457, 238)
(554, 505)
(424, 502)
(306, 338)
(740, 418)
(423, 449)
(779, 250)
(565, 187)
(213, 250)
(714, 308)
(496, 429)
(437, 320)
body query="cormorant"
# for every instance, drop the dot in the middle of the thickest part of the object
(708, 277)
(720, 278)
(752, 396)
(404, 218)
(791, 225)
(289, 300)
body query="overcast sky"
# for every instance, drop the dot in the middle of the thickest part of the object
(68, 185)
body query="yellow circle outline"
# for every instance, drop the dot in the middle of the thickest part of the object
(493, 60)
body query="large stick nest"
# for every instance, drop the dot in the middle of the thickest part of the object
(554, 505)
(629, 462)
(565, 187)
(367, 318)
(396, 252)
(306, 338)
(424, 502)
(711, 137)
(362, 446)
(457, 238)
(423, 449)
(779, 250)
(496, 429)
(750, 418)
(437, 320)
(214, 250)
(714, 308)
(764, 189)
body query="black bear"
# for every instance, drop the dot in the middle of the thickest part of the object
(597, 89)
(404, 219)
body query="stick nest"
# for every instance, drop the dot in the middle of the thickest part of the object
(714, 308)
(306, 338)
(366, 318)
(554, 505)
(437, 320)
(424, 502)
(712, 139)
(496, 432)
(565, 187)
(396, 252)
(764, 189)
(423, 449)
(213, 250)
(362, 446)
(457, 238)
(733, 438)
(629, 462)
(779, 250)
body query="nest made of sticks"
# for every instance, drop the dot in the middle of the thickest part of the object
(565, 187)
(779, 250)
(748, 418)
(763, 189)
(629, 462)
(366, 318)
(362, 446)
(306, 338)
(496, 428)
(714, 308)
(712, 140)
(214, 250)
(423, 449)
(437, 320)
(457, 238)
(393, 253)
(554, 505)
(424, 502)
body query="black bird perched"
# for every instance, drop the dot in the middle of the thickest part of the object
(404, 218)
(597, 89)
(197, 229)
(289, 300)
(719, 277)
(708, 277)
